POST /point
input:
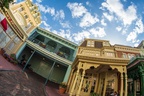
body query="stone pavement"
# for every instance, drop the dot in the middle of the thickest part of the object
(15, 82)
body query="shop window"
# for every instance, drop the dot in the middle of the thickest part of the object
(11, 46)
(16, 39)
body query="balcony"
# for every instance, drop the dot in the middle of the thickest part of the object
(41, 47)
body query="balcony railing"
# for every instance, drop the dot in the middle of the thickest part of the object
(36, 45)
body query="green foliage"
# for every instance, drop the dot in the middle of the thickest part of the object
(5, 3)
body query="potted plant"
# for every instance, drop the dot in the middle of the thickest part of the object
(62, 87)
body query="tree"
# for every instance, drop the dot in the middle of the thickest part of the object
(5, 4)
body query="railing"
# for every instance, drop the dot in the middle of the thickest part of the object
(48, 53)
(50, 49)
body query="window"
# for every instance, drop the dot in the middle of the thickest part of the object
(90, 43)
(109, 54)
(16, 39)
(124, 55)
(11, 46)
(4, 39)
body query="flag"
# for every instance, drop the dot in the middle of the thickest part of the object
(3, 22)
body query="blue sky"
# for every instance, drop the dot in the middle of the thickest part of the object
(119, 21)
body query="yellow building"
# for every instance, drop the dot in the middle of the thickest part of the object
(23, 18)
(100, 67)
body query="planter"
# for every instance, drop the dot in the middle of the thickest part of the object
(62, 90)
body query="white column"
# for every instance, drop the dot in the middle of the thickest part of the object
(79, 89)
(74, 84)
(121, 90)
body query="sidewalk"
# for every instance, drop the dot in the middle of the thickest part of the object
(14, 82)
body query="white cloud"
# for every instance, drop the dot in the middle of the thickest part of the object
(126, 15)
(47, 9)
(98, 32)
(88, 3)
(81, 35)
(107, 16)
(88, 20)
(59, 15)
(77, 9)
(118, 28)
(39, 1)
(46, 26)
(136, 44)
(65, 24)
(132, 37)
(139, 28)
(103, 22)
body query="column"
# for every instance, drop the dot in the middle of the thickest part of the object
(121, 90)
(70, 79)
(28, 60)
(79, 89)
(67, 74)
(125, 84)
(71, 93)
(105, 83)
(142, 84)
(96, 84)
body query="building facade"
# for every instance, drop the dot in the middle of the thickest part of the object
(135, 70)
(22, 18)
(49, 55)
(100, 67)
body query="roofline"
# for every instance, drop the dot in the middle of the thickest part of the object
(66, 40)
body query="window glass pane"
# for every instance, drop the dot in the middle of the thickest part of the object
(16, 40)
(11, 46)
(10, 32)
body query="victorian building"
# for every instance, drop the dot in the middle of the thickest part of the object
(49, 55)
(22, 18)
(100, 67)
(135, 70)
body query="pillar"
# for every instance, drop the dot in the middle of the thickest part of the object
(67, 74)
(79, 89)
(125, 85)
(70, 79)
(121, 90)
(96, 84)
(74, 84)
(142, 84)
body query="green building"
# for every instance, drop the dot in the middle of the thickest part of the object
(48, 55)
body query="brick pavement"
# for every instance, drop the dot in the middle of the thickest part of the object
(14, 82)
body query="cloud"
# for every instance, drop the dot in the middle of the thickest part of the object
(132, 37)
(39, 1)
(103, 22)
(64, 33)
(107, 16)
(50, 10)
(46, 25)
(88, 20)
(47, 9)
(115, 7)
(77, 9)
(65, 24)
(88, 3)
(59, 15)
(118, 28)
(81, 35)
(139, 27)
(98, 32)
